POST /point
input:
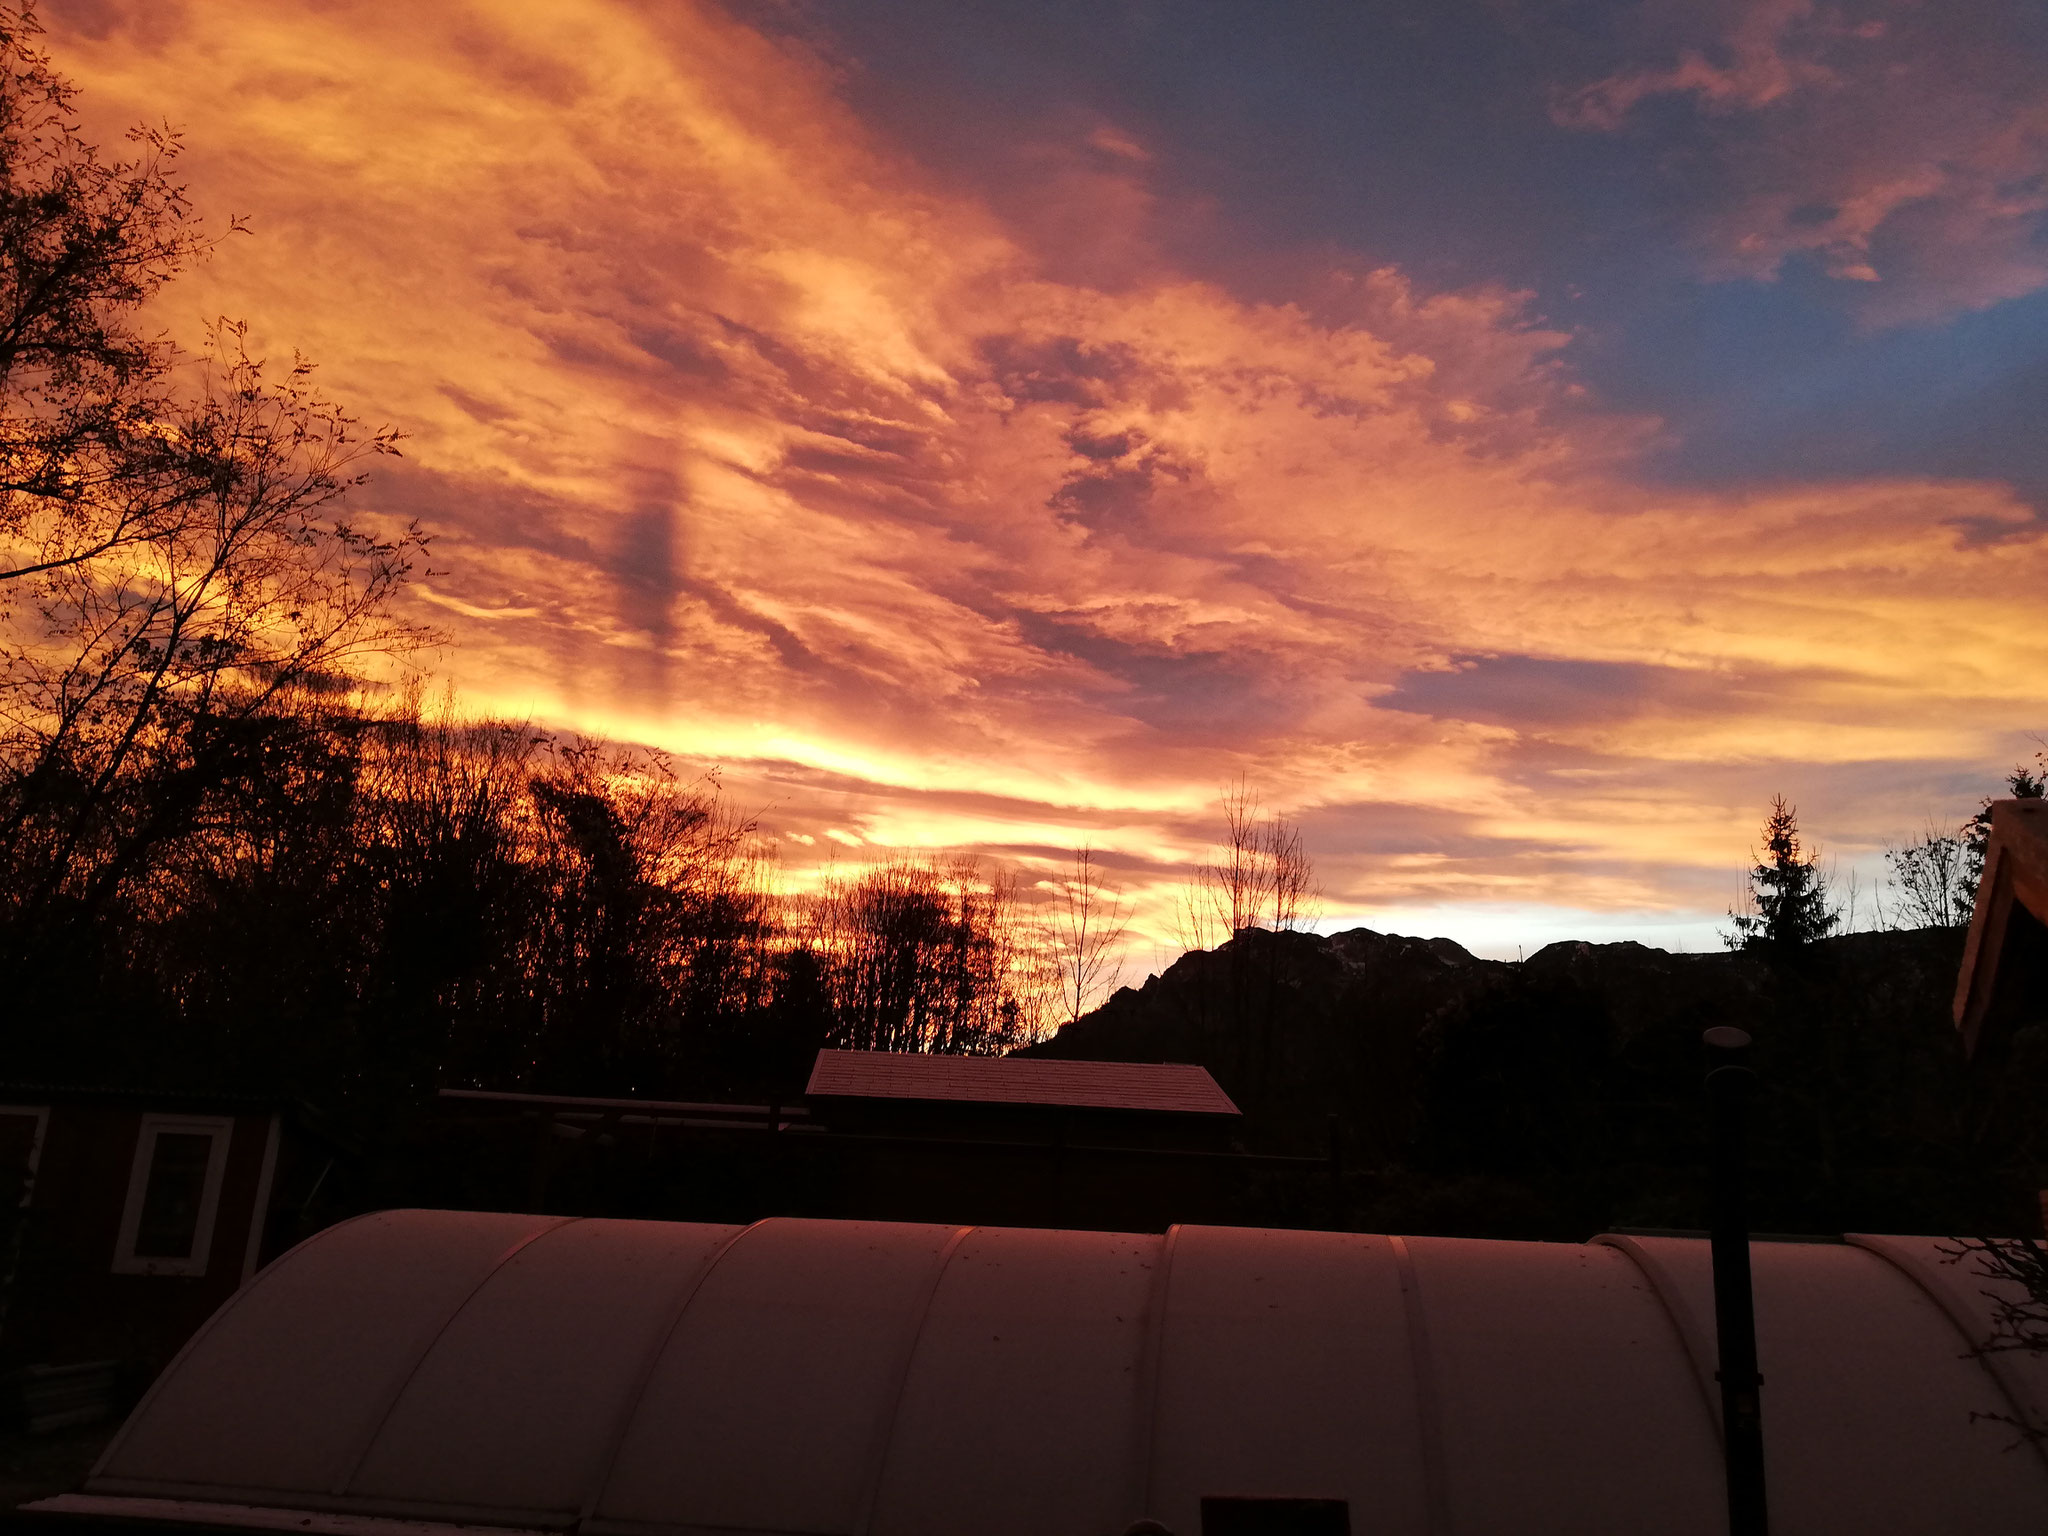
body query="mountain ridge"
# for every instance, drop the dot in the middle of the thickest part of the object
(1566, 1086)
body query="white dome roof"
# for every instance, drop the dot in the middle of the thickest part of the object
(632, 1378)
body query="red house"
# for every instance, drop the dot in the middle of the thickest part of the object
(130, 1218)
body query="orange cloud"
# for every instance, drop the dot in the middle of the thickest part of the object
(744, 440)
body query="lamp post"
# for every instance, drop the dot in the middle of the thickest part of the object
(1729, 1081)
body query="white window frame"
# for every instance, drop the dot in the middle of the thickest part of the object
(221, 1128)
(41, 1112)
(259, 1213)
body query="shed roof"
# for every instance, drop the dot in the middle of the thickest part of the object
(629, 1378)
(2011, 908)
(1168, 1087)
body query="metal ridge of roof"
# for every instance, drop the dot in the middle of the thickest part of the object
(1159, 1087)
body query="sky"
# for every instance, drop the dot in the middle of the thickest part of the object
(1516, 439)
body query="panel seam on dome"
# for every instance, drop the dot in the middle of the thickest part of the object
(264, 1276)
(1429, 1417)
(391, 1399)
(2015, 1397)
(204, 1513)
(629, 1410)
(878, 1461)
(1691, 1337)
(1151, 1362)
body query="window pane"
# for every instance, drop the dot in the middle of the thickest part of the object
(170, 1201)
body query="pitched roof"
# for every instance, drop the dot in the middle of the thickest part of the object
(2012, 896)
(1168, 1087)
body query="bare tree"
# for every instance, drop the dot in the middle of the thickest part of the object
(1088, 926)
(919, 954)
(1930, 879)
(134, 689)
(86, 468)
(1291, 879)
(1241, 877)
(998, 971)
(175, 584)
(1194, 916)
(1259, 875)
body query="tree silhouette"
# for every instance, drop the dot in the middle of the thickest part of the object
(180, 601)
(1087, 931)
(1787, 891)
(920, 954)
(1259, 875)
(85, 241)
(1931, 881)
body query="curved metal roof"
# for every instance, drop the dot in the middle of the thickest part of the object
(638, 1378)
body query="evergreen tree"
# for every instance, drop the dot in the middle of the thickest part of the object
(1787, 890)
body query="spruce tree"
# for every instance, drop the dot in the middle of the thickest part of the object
(1787, 890)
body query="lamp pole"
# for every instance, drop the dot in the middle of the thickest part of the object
(1729, 1081)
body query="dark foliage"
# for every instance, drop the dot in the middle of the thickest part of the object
(1934, 878)
(922, 955)
(390, 903)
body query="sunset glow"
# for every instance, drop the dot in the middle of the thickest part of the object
(1008, 484)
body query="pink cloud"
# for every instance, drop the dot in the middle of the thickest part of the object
(1765, 64)
(1898, 145)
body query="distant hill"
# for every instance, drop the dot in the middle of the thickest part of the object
(1561, 1094)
